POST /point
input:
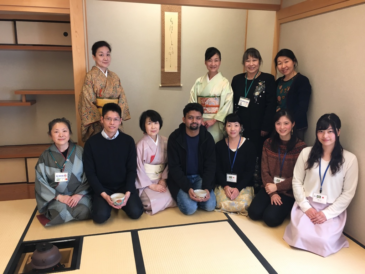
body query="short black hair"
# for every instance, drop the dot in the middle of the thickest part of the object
(111, 107)
(286, 53)
(232, 118)
(59, 120)
(210, 52)
(251, 52)
(153, 115)
(193, 106)
(100, 44)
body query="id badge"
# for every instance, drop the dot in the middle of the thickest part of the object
(61, 177)
(319, 198)
(278, 179)
(232, 178)
(244, 102)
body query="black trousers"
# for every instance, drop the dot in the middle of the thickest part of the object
(273, 215)
(101, 209)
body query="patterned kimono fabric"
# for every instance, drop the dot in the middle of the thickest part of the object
(96, 86)
(216, 97)
(151, 167)
(47, 190)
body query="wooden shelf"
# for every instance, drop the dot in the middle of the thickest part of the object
(39, 48)
(44, 92)
(23, 151)
(15, 103)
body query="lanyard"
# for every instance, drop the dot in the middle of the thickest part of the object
(68, 157)
(247, 90)
(324, 175)
(235, 154)
(282, 163)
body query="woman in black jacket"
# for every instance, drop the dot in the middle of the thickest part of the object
(255, 103)
(293, 90)
(254, 99)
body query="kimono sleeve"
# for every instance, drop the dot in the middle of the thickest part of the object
(43, 191)
(122, 101)
(84, 187)
(194, 91)
(142, 180)
(226, 106)
(87, 109)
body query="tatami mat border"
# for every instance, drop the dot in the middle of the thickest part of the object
(251, 246)
(138, 257)
(140, 267)
(20, 242)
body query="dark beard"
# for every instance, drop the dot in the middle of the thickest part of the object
(193, 128)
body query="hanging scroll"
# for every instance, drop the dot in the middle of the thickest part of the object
(170, 46)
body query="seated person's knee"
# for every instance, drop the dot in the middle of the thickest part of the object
(135, 213)
(254, 214)
(271, 220)
(100, 217)
(188, 210)
(81, 212)
(210, 204)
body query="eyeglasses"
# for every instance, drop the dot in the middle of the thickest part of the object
(116, 120)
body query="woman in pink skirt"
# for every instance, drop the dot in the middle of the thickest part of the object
(324, 183)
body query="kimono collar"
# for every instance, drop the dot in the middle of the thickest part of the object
(218, 77)
(53, 147)
(103, 133)
(105, 73)
(156, 143)
(152, 145)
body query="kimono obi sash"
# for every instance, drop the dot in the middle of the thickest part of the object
(154, 172)
(100, 102)
(210, 104)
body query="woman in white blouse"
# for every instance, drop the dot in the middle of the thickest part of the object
(324, 183)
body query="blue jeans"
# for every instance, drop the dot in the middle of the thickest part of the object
(187, 205)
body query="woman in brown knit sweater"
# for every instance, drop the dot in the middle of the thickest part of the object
(275, 200)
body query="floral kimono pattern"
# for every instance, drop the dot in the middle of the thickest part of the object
(216, 97)
(97, 85)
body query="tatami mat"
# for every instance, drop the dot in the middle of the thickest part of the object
(284, 259)
(15, 216)
(119, 222)
(201, 248)
(111, 253)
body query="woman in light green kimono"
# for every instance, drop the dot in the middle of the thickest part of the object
(214, 93)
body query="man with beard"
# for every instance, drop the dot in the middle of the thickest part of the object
(191, 162)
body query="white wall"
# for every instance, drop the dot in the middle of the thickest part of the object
(260, 35)
(34, 70)
(330, 50)
(134, 32)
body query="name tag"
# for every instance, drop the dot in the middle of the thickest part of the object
(278, 180)
(232, 178)
(61, 177)
(244, 102)
(319, 198)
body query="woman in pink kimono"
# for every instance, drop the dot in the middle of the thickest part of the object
(152, 165)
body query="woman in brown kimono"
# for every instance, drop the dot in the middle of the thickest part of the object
(101, 86)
